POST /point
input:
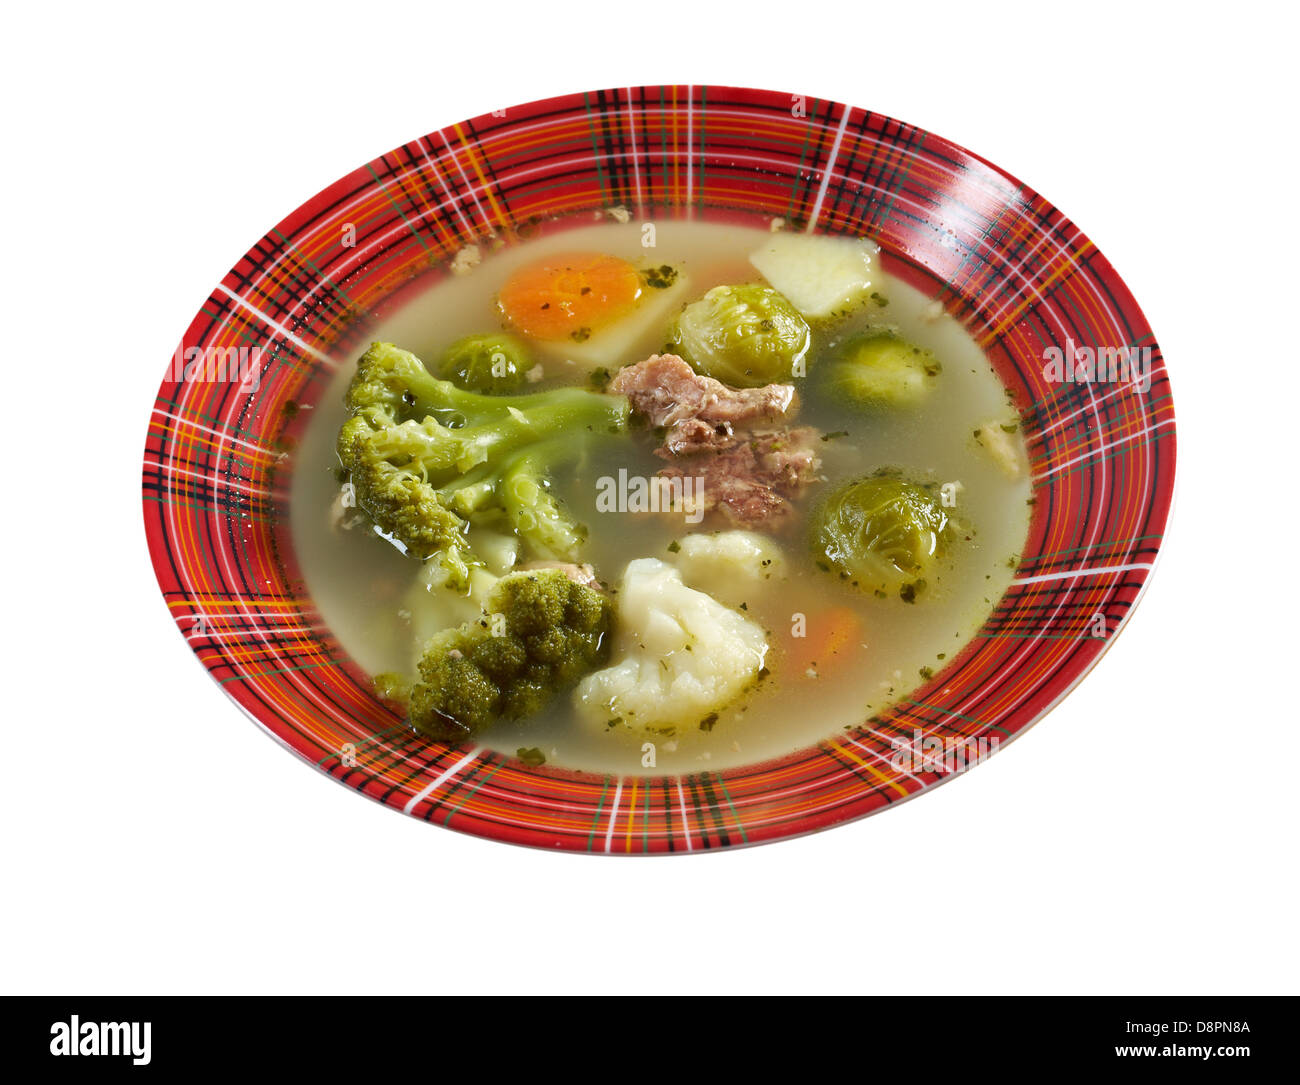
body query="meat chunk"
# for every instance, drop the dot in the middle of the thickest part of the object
(697, 412)
(748, 468)
(752, 479)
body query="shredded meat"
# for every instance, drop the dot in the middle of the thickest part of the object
(750, 474)
(697, 412)
(754, 478)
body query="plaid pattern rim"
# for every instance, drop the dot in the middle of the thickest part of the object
(1003, 260)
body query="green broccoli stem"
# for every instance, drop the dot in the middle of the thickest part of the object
(396, 382)
(440, 453)
(533, 510)
(530, 419)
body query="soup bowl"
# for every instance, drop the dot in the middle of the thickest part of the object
(1061, 330)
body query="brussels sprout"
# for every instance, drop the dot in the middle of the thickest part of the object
(744, 336)
(880, 369)
(881, 533)
(492, 364)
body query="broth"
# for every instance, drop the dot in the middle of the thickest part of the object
(358, 581)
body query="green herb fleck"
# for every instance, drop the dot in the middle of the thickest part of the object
(909, 592)
(661, 277)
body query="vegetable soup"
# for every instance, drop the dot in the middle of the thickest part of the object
(633, 509)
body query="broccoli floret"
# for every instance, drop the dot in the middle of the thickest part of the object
(407, 509)
(542, 632)
(427, 458)
(394, 381)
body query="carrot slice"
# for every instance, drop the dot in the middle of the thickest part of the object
(829, 639)
(570, 296)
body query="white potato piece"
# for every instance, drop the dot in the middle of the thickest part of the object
(430, 605)
(820, 275)
(499, 551)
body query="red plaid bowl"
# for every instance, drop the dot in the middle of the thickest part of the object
(1013, 269)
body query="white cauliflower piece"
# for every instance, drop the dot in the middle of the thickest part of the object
(679, 654)
(731, 564)
(499, 551)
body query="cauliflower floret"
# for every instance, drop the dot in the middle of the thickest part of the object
(679, 654)
(731, 564)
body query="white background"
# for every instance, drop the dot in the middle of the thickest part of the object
(156, 841)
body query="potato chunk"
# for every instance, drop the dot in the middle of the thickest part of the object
(822, 276)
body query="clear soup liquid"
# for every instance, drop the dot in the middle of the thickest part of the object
(358, 581)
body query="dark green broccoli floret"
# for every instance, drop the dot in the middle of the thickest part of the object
(495, 364)
(408, 510)
(541, 634)
(426, 458)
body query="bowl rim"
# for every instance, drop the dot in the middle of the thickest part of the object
(440, 772)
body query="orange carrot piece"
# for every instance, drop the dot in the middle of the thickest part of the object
(830, 636)
(570, 296)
